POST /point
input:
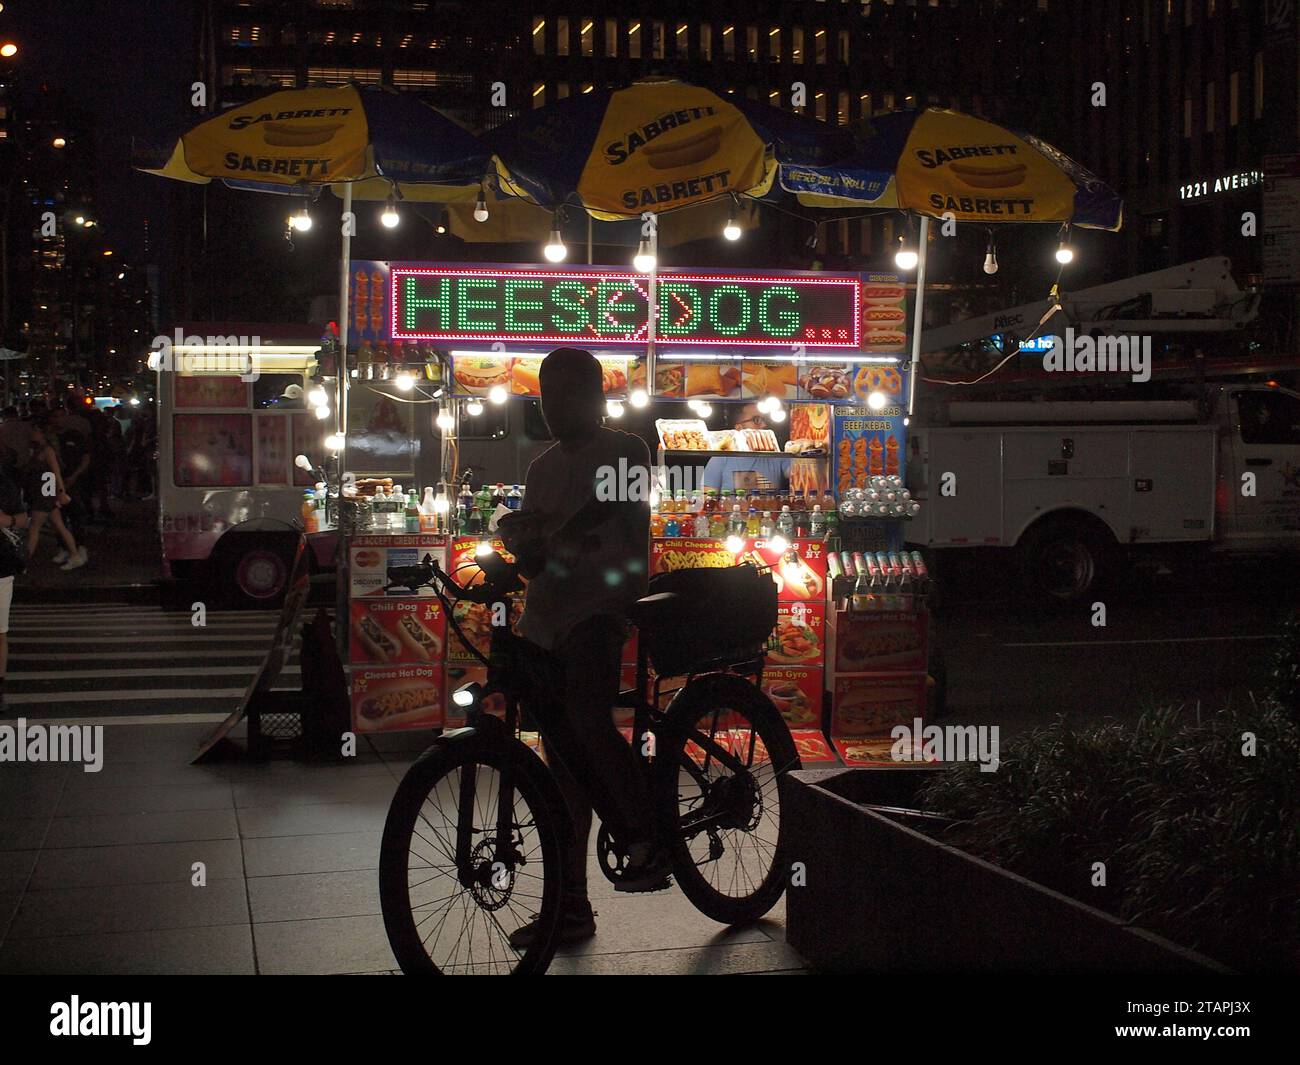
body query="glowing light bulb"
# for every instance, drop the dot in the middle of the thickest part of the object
(555, 250)
(404, 381)
(390, 218)
(473, 408)
(639, 397)
(877, 400)
(644, 260)
(614, 408)
(498, 394)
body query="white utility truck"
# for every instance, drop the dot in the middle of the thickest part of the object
(1074, 487)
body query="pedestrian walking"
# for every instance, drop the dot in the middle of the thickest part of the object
(46, 494)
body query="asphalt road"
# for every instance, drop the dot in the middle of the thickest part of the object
(1202, 637)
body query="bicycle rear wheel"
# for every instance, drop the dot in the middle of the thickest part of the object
(451, 896)
(718, 777)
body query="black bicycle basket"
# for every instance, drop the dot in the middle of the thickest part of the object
(721, 616)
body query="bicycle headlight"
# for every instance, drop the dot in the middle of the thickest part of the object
(469, 695)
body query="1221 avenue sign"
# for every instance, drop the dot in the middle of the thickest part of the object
(543, 306)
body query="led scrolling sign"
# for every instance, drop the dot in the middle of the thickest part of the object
(610, 308)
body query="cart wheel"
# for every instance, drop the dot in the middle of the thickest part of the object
(254, 571)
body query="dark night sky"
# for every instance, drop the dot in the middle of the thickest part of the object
(127, 62)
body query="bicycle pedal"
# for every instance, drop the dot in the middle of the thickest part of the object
(644, 889)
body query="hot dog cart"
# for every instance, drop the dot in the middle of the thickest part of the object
(826, 349)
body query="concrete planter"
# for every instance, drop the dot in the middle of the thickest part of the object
(882, 897)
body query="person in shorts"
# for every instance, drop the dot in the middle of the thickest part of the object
(47, 494)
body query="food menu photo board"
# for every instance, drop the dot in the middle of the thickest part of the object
(884, 314)
(272, 449)
(476, 374)
(206, 390)
(396, 630)
(868, 443)
(212, 450)
(397, 698)
(397, 637)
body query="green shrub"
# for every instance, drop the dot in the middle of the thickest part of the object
(1201, 843)
(1284, 674)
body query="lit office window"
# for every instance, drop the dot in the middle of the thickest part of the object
(611, 36)
(796, 44)
(539, 36)
(539, 94)
(819, 45)
(681, 44)
(588, 36)
(657, 42)
(729, 41)
(774, 98)
(842, 109)
(864, 105)
(820, 106)
(774, 42)
(706, 40)
(751, 43)
(562, 35)
(844, 46)
(634, 40)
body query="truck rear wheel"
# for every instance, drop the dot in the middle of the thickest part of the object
(1063, 562)
(253, 570)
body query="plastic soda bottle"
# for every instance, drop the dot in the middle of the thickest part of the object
(785, 523)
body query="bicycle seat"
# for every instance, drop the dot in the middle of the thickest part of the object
(654, 610)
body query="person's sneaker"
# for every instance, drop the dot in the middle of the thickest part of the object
(648, 868)
(61, 557)
(577, 924)
(78, 560)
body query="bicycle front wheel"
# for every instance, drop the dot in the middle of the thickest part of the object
(719, 776)
(456, 890)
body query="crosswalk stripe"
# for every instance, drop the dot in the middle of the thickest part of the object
(146, 695)
(135, 639)
(252, 654)
(131, 663)
(107, 674)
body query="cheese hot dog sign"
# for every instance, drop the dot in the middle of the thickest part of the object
(612, 308)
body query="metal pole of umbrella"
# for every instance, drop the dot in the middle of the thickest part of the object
(654, 303)
(341, 420)
(918, 317)
(345, 263)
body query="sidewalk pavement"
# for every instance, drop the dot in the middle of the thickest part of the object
(124, 552)
(95, 871)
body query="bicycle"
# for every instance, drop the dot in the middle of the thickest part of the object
(479, 816)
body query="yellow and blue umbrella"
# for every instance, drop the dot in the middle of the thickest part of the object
(658, 145)
(372, 139)
(934, 161)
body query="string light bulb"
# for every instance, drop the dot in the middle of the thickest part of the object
(390, 218)
(644, 260)
(991, 257)
(555, 250)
